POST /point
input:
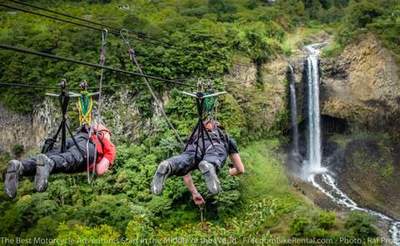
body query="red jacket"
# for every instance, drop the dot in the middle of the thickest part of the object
(105, 148)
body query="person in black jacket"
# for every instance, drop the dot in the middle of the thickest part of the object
(209, 160)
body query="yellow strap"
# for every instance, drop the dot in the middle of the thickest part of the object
(85, 118)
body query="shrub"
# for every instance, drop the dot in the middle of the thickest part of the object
(326, 220)
(300, 226)
(359, 225)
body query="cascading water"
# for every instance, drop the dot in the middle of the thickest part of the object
(293, 110)
(313, 165)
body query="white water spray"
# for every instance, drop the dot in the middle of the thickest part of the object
(312, 166)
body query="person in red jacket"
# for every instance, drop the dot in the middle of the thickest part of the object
(92, 153)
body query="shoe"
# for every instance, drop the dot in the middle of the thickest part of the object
(44, 166)
(12, 175)
(162, 173)
(210, 177)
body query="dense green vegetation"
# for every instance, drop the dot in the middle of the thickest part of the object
(261, 206)
(199, 39)
(381, 17)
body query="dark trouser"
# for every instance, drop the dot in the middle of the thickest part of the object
(184, 163)
(68, 162)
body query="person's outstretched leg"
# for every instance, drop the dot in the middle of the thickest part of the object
(43, 169)
(178, 165)
(213, 160)
(210, 177)
(164, 170)
(16, 169)
(72, 160)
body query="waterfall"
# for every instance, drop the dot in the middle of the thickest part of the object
(313, 165)
(293, 110)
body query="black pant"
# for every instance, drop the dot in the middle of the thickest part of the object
(68, 162)
(184, 163)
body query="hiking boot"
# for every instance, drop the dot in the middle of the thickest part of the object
(11, 180)
(162, 173)
(210, 177)
(44, 165)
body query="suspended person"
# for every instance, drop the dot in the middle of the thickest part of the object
(208, 160)
(96, 150)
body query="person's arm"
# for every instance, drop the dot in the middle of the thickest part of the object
(109, 153)
(197, 198)
(238, 167)
(102, 166)
(233, 151)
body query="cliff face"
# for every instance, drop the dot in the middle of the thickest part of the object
(27, 130)
(119, 111)
(261, 93)
(362, 85)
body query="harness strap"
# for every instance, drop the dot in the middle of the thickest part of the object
(98, 118)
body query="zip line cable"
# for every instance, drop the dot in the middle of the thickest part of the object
(155, 98)
(113, 30)
(16, 85)
(34, 86)
(137, 35)
(55, 57)
(51, 17)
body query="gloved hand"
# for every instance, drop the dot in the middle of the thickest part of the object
(198, 199)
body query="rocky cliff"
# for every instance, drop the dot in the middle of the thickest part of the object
(119, 112)
(261, 93)
(362, 85)
(27, 130)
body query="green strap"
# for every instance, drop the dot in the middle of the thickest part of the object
(209, 103)
(85, 102)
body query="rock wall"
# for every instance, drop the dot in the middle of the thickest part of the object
(362, 85)
(27, 130)
(119, 112)
(261, 93)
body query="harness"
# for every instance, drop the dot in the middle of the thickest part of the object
(205, 103)
(63, 97)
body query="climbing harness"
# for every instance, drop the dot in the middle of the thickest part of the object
(205, 102)
(132, 56)
(63, 97)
